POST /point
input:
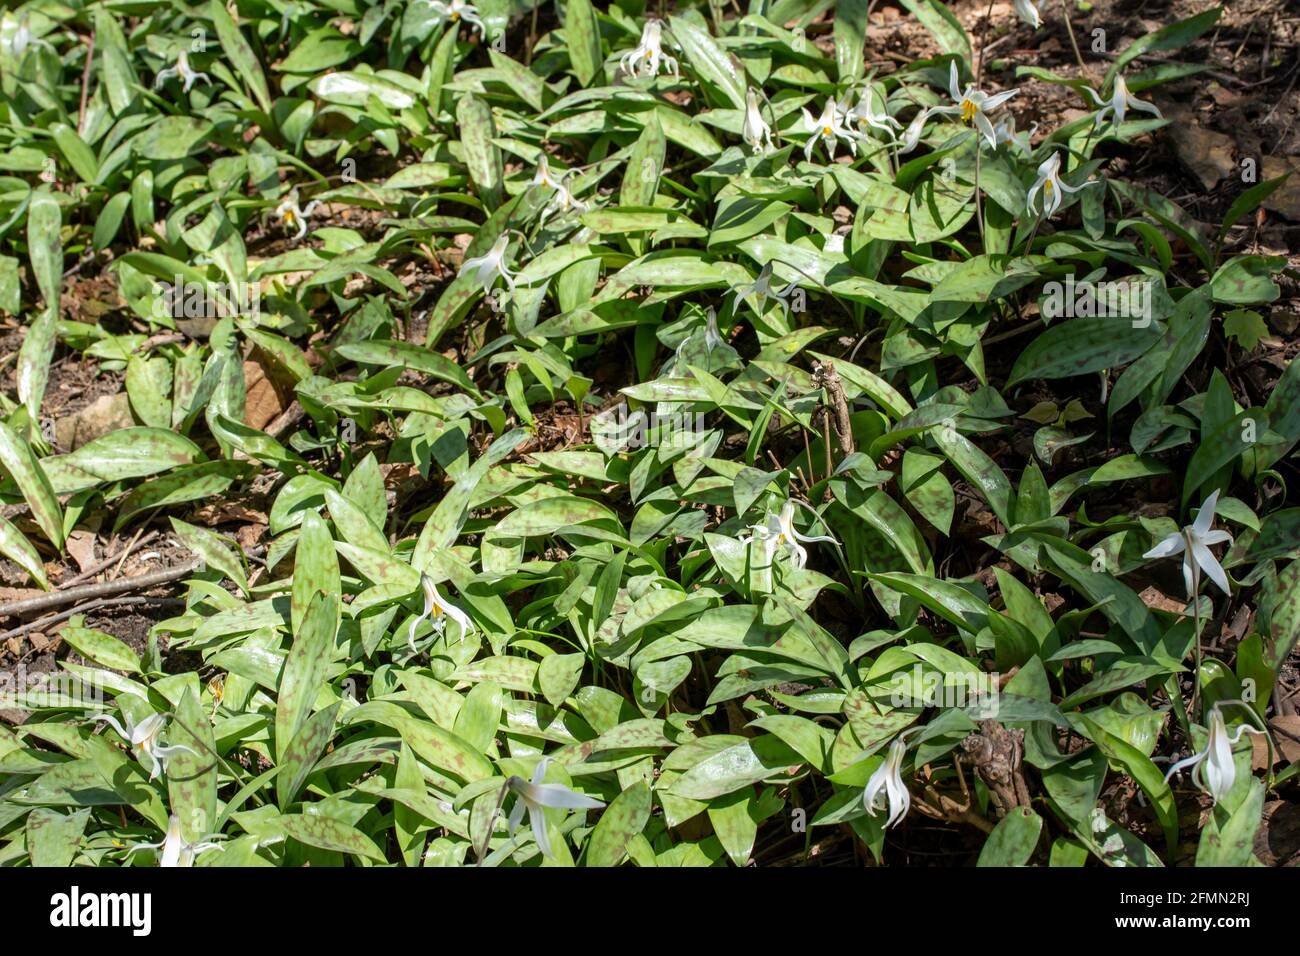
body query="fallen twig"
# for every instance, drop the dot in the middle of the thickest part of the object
(89, 592)
(46, 621)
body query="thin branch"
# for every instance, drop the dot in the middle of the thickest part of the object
(88, 592)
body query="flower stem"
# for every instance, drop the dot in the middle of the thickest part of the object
(1065, 13)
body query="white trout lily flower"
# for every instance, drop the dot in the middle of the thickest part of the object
(777, 534)
(176, 850)
(974, 106)
(1193, 542)
(1027, 10)
(562, 200)
(1121, 101)
(762, 287)
(16, 36)
(144, 739)
(644, 60)
(712, 340)
(866, 113)
(490, 265)
(885, 788)
(1005, 135)
(1214, 771)
(295, 217)
(756, 133)
(1050, 184)
(455, 11)
(911, 137)
(828, 128)
(181, 69)
(440, 610)
(536, 796)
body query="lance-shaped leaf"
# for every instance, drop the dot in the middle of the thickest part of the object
(17, 458)
(15, 546)
(301, 755)
(238, 51)
(582, 39)
(304, 669)
(474, 121)
(192, 776)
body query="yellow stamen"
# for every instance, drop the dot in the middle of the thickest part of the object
(968, 111)
(827, 131)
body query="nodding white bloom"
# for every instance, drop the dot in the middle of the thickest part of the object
(1192, 542)
(1027, 10)
(455, 11)
(1213, 768)
(145, 741)
(886, 788)
(778, 534)
(974, 105)
(439, 609)
(1005, 134)
(829, 127)
(756, 132)
(712, 340)
(866, 112)
(912, 135)
(181, 69)
(176, 850)
(295, 217)
(712, 337)
(536, 796)
(490, 265)
(563, 199)
(1121, 100)
(1049, 182)
(16, 36)
(644, 60)
(762, 287)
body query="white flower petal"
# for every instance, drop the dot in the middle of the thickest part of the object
(1171, 545)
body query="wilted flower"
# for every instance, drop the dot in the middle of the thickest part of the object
(778, 533)
(756, 132)
(886, 786)
(1214, 770)
(762, 287)
(536, 796)
(1049, 182)
(1027, 10)
(176, 850)
(295, 217)
(828, 127)
(181, 69)
(455, 11)
(490, 266)
(144, 739)
(649, 53)
(439, 609)
(1120, 102)
(974, 105)
(1192, 542)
